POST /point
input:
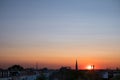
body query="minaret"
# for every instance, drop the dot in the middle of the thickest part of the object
(76, 66)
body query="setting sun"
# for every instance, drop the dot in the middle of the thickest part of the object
(89, 67)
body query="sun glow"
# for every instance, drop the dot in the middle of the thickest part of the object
(89, 67)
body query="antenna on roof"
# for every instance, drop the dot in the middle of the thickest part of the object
(36, 66)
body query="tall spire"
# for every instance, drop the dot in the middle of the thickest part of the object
(76, 66)
(36, 66)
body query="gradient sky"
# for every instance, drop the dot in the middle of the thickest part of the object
(55, 33)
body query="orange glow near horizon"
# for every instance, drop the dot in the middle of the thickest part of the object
(55, 57)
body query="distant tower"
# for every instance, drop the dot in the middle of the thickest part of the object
(76, 66)
(92, 67)
(36, 66)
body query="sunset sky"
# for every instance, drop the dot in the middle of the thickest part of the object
(54, 33)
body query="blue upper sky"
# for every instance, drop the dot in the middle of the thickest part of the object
(58, 20)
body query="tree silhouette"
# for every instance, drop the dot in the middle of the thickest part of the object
(16, 68)
(116, 78)
(42, 77)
